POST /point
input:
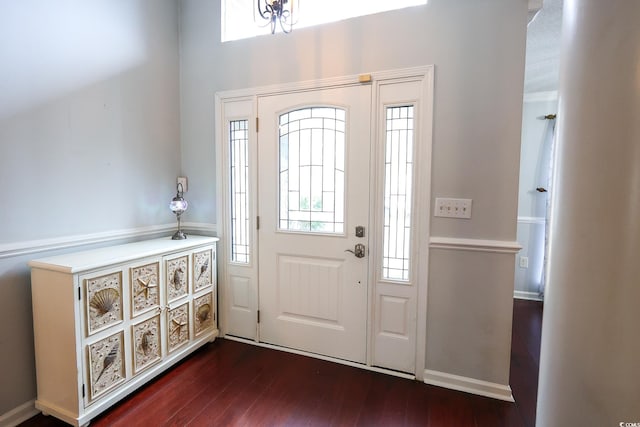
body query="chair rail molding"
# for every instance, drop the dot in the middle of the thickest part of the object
(539, 220)
(13, 249)
(551, 95)
(477, 245)
(200, 228)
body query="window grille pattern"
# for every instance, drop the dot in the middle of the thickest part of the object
(398, 181)
(239, 153)
(312, 151)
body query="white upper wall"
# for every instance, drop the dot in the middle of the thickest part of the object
(89, 115)
(478, 52)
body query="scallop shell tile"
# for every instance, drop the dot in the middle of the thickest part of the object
(104, 301)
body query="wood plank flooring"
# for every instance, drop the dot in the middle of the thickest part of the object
(227, 383)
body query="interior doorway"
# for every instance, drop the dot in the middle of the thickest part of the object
(540, 103)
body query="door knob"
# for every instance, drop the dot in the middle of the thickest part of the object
(358, 250)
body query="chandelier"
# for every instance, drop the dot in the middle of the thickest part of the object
(278, 12)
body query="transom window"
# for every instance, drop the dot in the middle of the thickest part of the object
(238, 15)
(312, 147)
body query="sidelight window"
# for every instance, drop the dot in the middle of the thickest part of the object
(398, 179)
(239, 150)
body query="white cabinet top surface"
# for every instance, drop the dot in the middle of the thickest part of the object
(95, 258)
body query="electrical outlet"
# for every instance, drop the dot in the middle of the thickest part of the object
(453, 208)
(182, 180)
(524, 262)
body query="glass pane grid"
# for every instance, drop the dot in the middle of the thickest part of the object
(398, 166)
(312, 170)
(239, 150)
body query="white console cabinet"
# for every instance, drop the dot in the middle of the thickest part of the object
(108, 320)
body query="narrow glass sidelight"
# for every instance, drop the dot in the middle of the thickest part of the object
(312, 168)
(239, 165)
(398, 195)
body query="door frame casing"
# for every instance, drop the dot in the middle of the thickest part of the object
(422, 192)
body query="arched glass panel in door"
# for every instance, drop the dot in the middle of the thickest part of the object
(312, 152)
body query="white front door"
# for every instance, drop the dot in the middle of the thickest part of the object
(313, 191)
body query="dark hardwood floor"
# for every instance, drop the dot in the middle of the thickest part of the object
(230, 383)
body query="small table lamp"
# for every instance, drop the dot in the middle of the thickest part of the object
(178, 205)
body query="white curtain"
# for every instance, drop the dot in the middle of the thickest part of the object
(545, 179)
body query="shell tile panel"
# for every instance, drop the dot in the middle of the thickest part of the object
(106, 364)
(104, 301)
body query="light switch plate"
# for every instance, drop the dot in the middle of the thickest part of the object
(453, 208)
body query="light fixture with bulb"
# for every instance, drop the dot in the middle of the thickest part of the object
(178, 205)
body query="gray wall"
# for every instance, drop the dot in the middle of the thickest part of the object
(478, 52)
(89, 140)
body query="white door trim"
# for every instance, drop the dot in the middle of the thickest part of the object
(422, 192)
(421, 196)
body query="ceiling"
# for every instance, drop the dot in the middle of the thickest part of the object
(543, 49)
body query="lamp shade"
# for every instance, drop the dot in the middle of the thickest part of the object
(178, 205)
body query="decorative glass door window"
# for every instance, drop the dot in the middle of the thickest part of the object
(312, 151)
(239, 150)
(398, 179)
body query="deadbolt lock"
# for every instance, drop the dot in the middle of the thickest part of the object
(359, 231)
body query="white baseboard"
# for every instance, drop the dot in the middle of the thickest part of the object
(468, 385)
(19, 415)
(533, 296)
